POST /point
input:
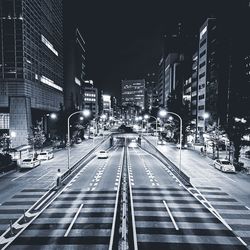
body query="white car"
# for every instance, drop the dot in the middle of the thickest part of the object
(161, 142)
(102, 154)
(45, 155)
(224, 165)
(30, 163)
(182, 147)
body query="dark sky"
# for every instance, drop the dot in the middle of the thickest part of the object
(123, 38)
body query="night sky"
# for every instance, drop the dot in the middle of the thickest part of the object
(123, 38)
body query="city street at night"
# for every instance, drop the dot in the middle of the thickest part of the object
(124, 125)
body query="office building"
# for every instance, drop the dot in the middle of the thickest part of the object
(150, 89)
(90, 98)
(106, 105)
(74, 67)
(31, 63)
(133, 93)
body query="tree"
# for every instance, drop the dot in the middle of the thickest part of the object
(181, 107)
(37, 138)
(236, 130)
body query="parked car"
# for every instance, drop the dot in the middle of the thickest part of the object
(45, 155)
(78, 140)
(182, 147)
(30, 163)
(102, 154)
(161, 142)
(224, 165)
(247, 154)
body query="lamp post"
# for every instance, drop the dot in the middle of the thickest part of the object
(163, 113)
(85, 113)
(156, 121)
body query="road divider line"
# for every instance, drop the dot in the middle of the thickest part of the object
(20, 176)
(73, 221)
(171, 216)
(44, 175)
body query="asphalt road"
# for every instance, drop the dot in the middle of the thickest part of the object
(231, 191)
(81, 217)
(20, 190)
(90, 196)
(197, 227)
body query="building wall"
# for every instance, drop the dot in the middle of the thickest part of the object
(133, 93)
(74, 68)
(31, 55)
(90, 100)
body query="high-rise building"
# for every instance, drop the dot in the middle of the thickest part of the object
(213, 75)
(133, 93)
(150, 89)
(31, 63)
(90, 98)
(106, 105)
(74, 67)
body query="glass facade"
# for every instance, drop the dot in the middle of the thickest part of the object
(31, 45)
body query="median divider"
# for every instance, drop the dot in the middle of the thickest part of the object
(16, 228)
(150, 148)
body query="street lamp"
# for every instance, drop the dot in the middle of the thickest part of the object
(163, 113)
(85, 113)
(156, 123)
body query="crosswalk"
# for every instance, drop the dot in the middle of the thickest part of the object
(196, 228)
(12, 209)
(91, 228)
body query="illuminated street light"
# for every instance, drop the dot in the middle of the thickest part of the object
(206, 115)
(13, 134)
(85, 113)
(163, 113)
(81, 118)
(53, 116)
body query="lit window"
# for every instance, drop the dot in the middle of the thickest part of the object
(49, 45)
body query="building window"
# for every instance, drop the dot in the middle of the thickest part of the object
(201, 107)
(4, 121)
(201, 97)
(203, 53)
(201, 75)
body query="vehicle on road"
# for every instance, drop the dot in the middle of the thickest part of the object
(133, 144)
(182, 147)
(78, 140)
(29, 163)
(45, 155)
(102, 154)
(247, 154)
(224, 165)
(161, 142)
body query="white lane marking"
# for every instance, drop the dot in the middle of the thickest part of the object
(247, 207)
(44, 175)
(229, 179)
(242, 241)
(170, 214)
(20, 176)
(73, 221)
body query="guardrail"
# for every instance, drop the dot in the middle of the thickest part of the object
(150, 148)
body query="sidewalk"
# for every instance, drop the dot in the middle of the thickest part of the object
(222, 154)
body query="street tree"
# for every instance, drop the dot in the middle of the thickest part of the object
(181, 107)
(37, 137)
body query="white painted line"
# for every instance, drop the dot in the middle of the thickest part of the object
(229, 179)
(43, 175)
(247, 207)
(20, 176)
(171, 216)
(73, 221)
(52, 193)
(242, 241)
